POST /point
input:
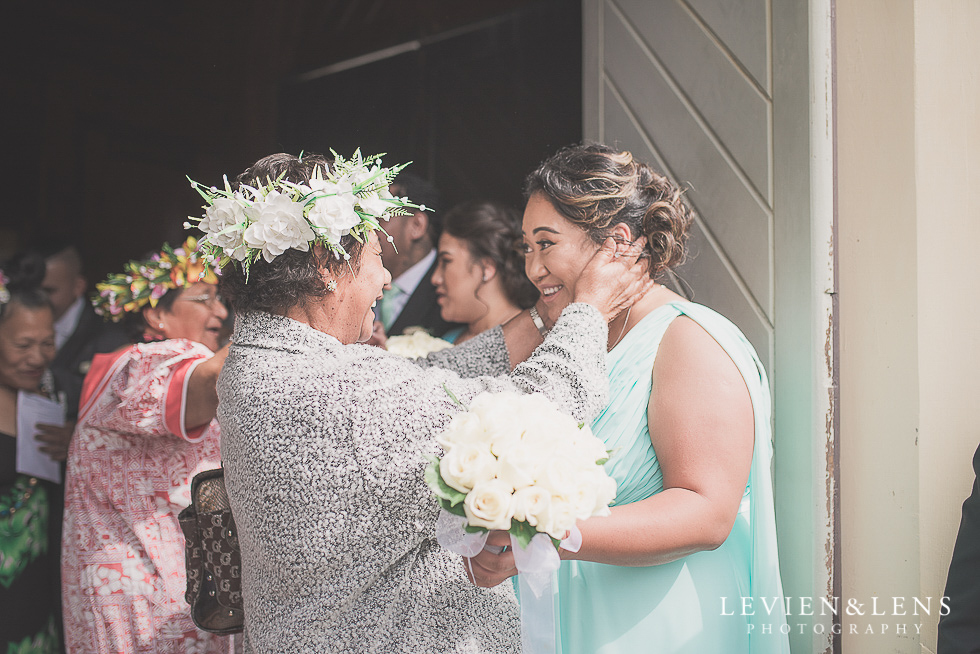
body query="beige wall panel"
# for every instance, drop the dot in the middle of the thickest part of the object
(736, 216)
(735, 109)
(705, 277)
(743, 26)
(711, 284)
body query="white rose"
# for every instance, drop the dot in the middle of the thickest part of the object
(415, 345)
(466, 465)
(605, 492)
(530, 504)
(583, 498)
(277, 225)
(223, 214)
(559, 474)
(518, 466)
(590, 447)
(334, 212)
(503, 426)
(463, 428)
(362, 174)
(488, 505)
(559, 518)
(372, 204)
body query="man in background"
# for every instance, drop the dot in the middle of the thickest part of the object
(411, 260)
(79, 333)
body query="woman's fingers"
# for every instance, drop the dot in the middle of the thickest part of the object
(494, 564)
(615, 278)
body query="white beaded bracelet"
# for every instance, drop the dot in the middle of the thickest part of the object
(536, 318)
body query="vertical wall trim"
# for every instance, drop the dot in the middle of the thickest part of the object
(823, 230)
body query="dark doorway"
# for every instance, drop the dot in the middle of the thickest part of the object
(109, 110)
(475, 108)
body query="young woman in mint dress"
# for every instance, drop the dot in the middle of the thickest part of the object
(692, 531)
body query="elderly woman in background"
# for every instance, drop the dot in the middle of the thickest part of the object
(479, 275)
(29, 506)
(324, 439)
(145, 428)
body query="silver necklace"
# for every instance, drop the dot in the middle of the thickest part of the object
(623, 330)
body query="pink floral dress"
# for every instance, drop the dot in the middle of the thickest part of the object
(129, 471)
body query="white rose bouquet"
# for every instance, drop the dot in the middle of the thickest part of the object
(415, 344)
(518, 464)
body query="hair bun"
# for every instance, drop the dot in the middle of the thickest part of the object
(596, 187)
(24, 271)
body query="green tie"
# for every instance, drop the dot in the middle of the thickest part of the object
(386, 307)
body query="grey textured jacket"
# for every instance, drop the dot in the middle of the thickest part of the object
(323, 448)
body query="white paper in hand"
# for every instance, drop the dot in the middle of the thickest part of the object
(31, 410)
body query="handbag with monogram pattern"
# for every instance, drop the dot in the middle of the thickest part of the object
(213, 559)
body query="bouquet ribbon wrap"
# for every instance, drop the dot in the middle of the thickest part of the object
(536, 565)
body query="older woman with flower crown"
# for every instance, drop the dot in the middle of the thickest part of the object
(145, 427)
(324, 440)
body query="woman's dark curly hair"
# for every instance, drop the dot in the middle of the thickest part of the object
(493, 231)
(24, 273)
(293, 278)
(596, 188)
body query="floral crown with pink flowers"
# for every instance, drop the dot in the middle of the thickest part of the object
(240, 225)
(144, 282)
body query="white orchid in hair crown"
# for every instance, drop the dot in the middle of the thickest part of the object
(267, 219)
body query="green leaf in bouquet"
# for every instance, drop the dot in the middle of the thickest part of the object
(523, 532)
(455, 509)
(438, 485)
(470, 529)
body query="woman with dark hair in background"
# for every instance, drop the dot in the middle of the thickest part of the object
(30, 508)
(479, 275)
(145, 428)
(692, 529)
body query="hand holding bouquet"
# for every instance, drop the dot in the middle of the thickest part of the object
(516, 463)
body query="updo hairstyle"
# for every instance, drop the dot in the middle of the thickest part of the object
(293, 278)
(596, 188)
(24, 273)
(493, 231)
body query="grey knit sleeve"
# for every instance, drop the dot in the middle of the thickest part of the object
(485, 354)
(575, 352)
(569, 367)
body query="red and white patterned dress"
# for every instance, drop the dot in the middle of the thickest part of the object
(130, 466)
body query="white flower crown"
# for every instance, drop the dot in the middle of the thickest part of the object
(240, 225)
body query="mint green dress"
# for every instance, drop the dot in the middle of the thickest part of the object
(692, 605)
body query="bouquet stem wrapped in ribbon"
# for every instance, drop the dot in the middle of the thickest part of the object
(516, 463)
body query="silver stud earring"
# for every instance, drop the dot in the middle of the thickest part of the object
(332, 285)
(160, 325)
(486, 276)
